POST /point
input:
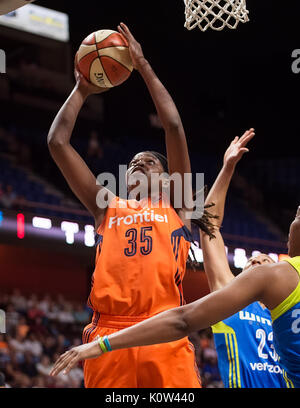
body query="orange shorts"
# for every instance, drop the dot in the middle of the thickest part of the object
(168, 365)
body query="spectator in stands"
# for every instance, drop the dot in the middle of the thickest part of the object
(211, 372)
(39, 382)
(80, 314)
(44, 366)
(28, 366)
(22, 328)
(18, 300)
(18, 347)
(38, 327)
(44, 304)
(66, 315)
(12, 317)
(49, 346)
(34, 311)
(3, 344)
(33, 346)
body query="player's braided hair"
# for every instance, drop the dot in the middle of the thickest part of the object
(205, 221)
(205, 224)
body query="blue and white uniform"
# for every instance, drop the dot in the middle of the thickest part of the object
(286, 327)
(246, 353)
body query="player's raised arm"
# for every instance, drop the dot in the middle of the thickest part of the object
(215, 259)
(79, 177)
(176, 144)
(177, 323)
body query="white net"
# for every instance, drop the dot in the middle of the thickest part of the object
(215, 14)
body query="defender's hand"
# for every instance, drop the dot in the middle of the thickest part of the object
(237, 148)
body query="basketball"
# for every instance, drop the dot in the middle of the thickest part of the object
(103, 58)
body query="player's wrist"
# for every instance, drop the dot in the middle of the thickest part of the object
(229, 166)
(82, 92)
(141, 63)
(104, 345)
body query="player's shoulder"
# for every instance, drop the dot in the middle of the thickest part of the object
(279, 281)
(270, 274)
(277, 270)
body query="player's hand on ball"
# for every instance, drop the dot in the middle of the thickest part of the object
(237, 148)
(71, 358)
(135, 48)
(83, 84)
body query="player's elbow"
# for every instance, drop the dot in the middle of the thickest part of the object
(182, 323)
(192, 318)
(55, 141)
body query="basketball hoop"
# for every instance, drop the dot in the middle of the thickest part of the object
(215, 14)
(6, 6)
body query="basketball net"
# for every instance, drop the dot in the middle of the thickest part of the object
(215, 14)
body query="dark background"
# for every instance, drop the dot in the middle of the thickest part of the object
(222, 82)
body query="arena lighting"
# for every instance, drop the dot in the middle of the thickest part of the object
(20, 226)
(43, 223)
(240, 259)
(35, 19)
(275, 257)
(52, 229)
(70, 228)
(89, 236)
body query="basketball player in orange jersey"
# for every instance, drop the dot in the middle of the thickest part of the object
(141, 248)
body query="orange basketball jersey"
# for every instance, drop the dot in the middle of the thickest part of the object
(141, 253)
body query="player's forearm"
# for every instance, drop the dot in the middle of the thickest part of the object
(163, 328)
(64, 122)
(163, 101)
(218, 192)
